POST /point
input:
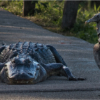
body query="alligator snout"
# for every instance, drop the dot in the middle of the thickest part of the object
(22, 70)
(21, 78)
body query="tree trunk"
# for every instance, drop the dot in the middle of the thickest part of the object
(69, 14)
(29, 8)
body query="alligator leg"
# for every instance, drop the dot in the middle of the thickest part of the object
(96, 51)
(64, 69)
(57, 56)
(57, 68)
(52, 68)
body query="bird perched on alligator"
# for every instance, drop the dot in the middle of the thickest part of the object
(30, 63)
(96, 49)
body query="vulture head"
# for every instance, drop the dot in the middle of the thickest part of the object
(95, 18)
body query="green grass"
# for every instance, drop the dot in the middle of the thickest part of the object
(49, 15)
(13, 6)
(82, 30)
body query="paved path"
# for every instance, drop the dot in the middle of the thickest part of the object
(77, 53)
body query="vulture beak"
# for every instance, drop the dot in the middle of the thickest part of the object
(90, 20)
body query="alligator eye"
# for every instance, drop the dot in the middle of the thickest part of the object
(16, 61)
(13, 61)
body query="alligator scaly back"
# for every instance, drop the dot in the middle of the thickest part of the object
(39, 52)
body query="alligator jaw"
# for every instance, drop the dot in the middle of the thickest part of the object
(12, 81)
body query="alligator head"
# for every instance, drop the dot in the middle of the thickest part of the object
(20, 70)
(95, 18)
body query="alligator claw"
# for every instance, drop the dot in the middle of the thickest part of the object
(77, 79)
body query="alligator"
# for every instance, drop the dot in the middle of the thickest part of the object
(30, 63)
(96, 49)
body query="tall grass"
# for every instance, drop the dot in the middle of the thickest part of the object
(13, 6)
(49, 15)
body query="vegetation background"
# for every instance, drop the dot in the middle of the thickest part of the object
(49, 15)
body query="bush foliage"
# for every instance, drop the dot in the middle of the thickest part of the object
(49, 15)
